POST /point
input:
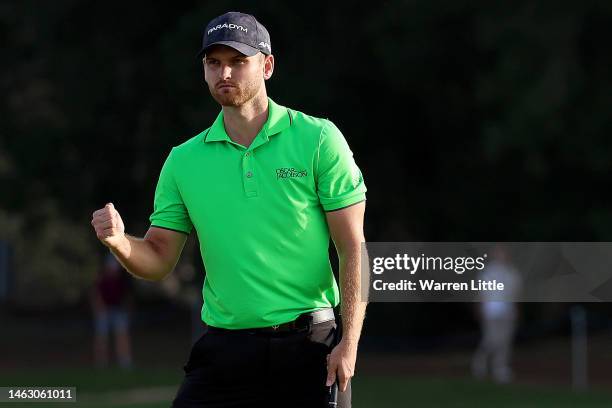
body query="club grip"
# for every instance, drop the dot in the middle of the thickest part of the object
(333, 395)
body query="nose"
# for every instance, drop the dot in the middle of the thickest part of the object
(225, 72)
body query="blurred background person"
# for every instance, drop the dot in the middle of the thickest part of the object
(498, 319)
(111, 303)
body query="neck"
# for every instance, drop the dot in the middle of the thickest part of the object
(243, 123)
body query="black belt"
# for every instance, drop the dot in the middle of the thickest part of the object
(302, 322)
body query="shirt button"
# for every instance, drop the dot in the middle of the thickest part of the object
(249, 174)
(247, 154)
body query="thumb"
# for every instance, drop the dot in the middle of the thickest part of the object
(109, 206)
(331, 371)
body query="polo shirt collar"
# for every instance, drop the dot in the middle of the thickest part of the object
(278, 120)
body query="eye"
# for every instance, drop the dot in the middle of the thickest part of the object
(212, 62)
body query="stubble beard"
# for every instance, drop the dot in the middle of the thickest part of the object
(237, 96)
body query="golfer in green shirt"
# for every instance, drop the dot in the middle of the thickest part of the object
(264, 187)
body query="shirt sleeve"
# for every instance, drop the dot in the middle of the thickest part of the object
(339, 180)
(169, 210)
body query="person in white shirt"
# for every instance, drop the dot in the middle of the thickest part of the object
(498, 320)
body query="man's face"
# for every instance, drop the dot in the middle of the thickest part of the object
(232, 77)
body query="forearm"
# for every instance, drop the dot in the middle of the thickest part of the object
(353, 308)
(142, 258)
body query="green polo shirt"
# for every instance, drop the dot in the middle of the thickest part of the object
(259, 213)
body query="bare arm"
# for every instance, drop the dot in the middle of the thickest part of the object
(346, 229)
(152, 257)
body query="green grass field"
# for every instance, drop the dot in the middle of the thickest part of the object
(155, 387)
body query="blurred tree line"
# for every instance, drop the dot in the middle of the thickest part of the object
(470, 120)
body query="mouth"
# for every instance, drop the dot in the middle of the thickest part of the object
(225, 86)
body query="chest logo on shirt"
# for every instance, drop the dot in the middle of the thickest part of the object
(289, 172)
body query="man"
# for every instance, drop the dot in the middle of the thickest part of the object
(498, 314)
(265, 186)
(111, 304)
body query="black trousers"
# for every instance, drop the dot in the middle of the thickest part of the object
(254, 369)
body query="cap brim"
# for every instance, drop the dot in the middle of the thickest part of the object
(240, 47)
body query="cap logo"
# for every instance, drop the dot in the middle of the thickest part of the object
(230, 26)
(265, 45)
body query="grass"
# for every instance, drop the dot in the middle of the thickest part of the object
(382, 392)
(92, 381)
(155, 388)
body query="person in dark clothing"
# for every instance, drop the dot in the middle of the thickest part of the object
(110, 300)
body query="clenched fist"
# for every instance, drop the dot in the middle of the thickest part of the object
(109, 226)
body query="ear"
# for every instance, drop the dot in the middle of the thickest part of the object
(204, 69)
(268, 66)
